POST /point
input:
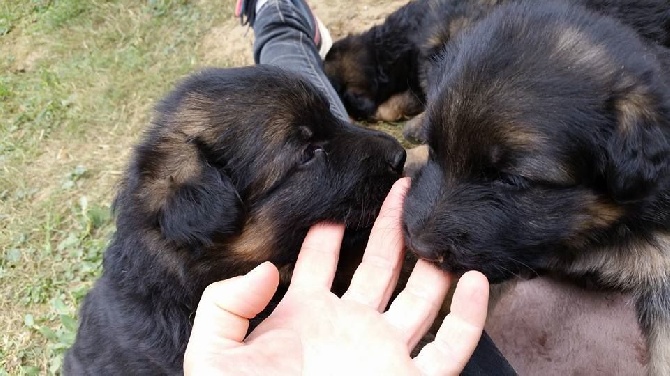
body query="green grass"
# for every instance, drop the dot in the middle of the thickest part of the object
(78, 81)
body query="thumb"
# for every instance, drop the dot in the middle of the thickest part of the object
(222, 317)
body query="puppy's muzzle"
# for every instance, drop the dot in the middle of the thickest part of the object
(423, 250)
(396, 160)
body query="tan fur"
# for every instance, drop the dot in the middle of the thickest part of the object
(253, 245)
(635, 107)
(604, 213)
(632, 267)
(181, 162)
(193, 118)
(270, 172)
(434, 41)
(346, 66)
(599, 214)
(521, 137)
(416, 158)
(638, 268)
(398, 107)
(180, 165)
(156, 243)
(458, 24)
(540, 166)
(576, 45)
(659, 348)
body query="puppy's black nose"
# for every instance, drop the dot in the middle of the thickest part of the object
(422, 249)
(396, 160)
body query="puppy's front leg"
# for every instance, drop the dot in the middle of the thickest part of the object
(415, 130)
(653, 310)
(400, 106)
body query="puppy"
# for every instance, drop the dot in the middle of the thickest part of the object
(383, 64)
(236, 167)
(365, 68)
(549, 135)
(369, 70)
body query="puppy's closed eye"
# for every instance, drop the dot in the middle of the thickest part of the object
(511, 181)
(311, 153)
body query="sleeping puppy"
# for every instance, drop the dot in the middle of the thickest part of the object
(365, 68)
(378, 73)
(650, 18)
(549, 153)
(381, 74)
(236, 167)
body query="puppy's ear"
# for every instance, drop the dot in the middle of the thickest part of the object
(638, 150)
(203, 209)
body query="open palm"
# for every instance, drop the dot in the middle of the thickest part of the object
(314, 332)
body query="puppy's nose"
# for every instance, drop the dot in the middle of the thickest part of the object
(396, 160)
(423, 250)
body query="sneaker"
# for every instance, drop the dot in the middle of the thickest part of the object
(246, 11)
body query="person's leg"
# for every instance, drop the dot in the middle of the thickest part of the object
(286, 35)
(487, 360)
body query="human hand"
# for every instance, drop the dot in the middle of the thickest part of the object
(314, 332)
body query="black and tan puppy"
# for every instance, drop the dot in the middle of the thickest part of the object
(367, 69)
(550, 152)
(236, 167)
(381, 74)
(377, 73)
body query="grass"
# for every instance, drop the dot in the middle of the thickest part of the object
(78, 81)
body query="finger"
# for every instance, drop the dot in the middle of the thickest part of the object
(317, 261)
(376, 277)
(415, 308)
(460, 331)
(222, 317)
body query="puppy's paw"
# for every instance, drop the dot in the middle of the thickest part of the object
(415, 130)
(399, 107)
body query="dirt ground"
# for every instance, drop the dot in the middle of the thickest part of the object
(233, 43)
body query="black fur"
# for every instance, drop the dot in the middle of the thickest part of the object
(396, 56)
(549, 129)
(506, 77)
(368, 68)
(235, 168)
